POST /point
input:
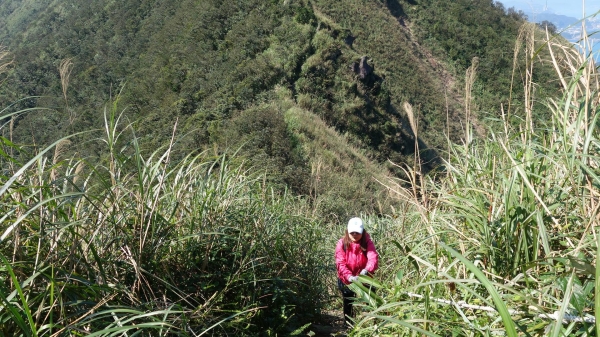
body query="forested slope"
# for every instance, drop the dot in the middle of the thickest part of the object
(209, 67)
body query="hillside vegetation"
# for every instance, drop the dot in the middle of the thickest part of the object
(186, 169)
(211, 66)
(198, 246)
(507, 242)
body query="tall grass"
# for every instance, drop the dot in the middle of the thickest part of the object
(132, 243)
(506, 242)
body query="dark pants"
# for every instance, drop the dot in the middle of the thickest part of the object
(348, 296)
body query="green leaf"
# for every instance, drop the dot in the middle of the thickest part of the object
(509, 324)
(32, 328)
(399, 276)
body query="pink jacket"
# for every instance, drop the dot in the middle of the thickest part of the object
(352, 261)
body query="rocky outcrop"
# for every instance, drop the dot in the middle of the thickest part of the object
(362, 68)
(365, 68)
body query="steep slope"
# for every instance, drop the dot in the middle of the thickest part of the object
(212, 70)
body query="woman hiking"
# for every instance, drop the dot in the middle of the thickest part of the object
(355, 255)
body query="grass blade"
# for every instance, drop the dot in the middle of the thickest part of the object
(509, 325)
(32, 331)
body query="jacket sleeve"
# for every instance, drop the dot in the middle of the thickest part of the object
(372, 257)
(340, 262)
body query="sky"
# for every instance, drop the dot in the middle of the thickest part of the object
(572, 8)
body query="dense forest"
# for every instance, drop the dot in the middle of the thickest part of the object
(185, 168)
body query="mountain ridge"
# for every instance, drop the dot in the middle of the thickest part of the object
(213, 67)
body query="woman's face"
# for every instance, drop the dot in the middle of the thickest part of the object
(355, 236)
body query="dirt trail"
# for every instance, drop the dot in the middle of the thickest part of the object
(331, 325)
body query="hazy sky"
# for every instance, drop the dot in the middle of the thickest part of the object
(571, 8)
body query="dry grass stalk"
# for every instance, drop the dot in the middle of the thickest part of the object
(416, 171)
(411, 117)
(5, 63)
(78, 171)
(315, 175)
(60, 149)
(525, 36)
(569, 62)
(469, 80)
(65, 68)
(528, 31)
(512, 76)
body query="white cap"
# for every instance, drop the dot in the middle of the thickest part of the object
(355, 225)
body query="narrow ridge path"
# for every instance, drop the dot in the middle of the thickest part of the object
(331, 325)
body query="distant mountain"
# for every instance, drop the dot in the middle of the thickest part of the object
(561, 21)
(571, 28)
